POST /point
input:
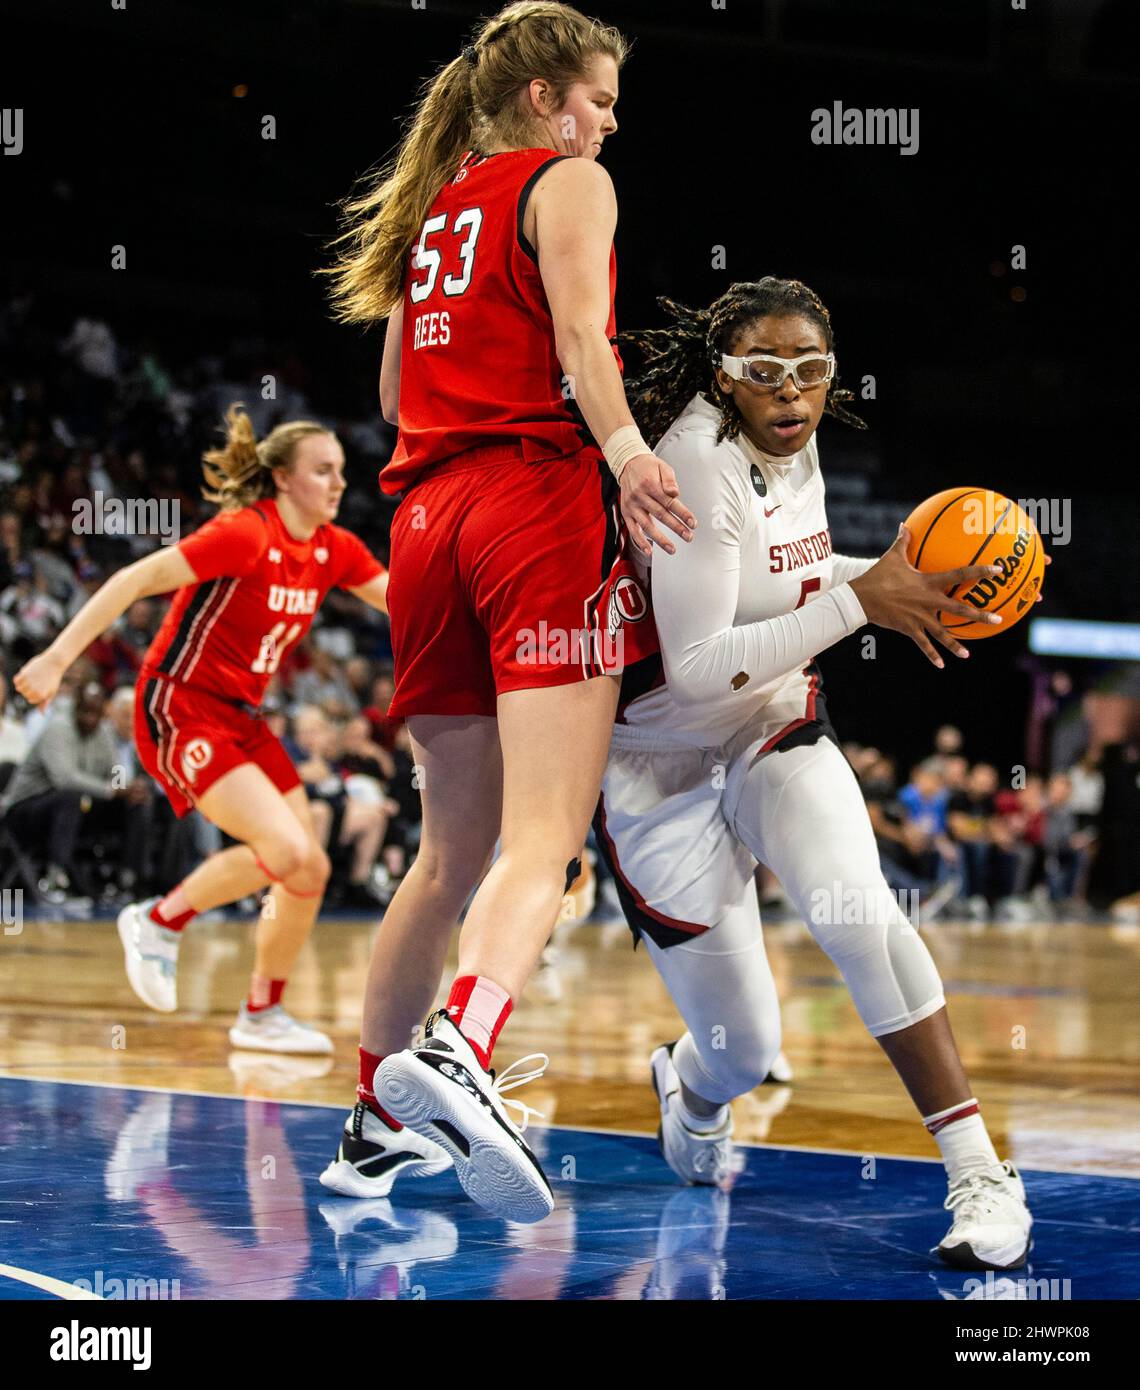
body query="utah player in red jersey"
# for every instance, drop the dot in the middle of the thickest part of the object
(248, 584)
(488, 246)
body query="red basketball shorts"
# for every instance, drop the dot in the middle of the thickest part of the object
(506, 575)
(187, 739)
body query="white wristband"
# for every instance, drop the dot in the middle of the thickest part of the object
(624, 444)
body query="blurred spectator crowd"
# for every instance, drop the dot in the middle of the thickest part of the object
(976, 844)
(86, 419)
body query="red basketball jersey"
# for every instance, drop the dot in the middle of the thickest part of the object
(477, 361)
(257, 593)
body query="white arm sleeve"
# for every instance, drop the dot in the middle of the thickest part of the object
(695, 595)
(845, 568)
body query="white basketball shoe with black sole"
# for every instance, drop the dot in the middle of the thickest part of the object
(441, 1091)
(706, 1158)
(991, 1220)
(371, 1156)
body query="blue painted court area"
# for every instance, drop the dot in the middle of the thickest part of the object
(209, 1197)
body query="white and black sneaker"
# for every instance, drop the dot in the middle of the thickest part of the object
(372, 1156)
(991, 1220)
(440, 1090)
(705, 1157)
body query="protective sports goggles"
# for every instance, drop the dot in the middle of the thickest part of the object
(771, 372)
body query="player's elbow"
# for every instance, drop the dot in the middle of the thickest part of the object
(576, 339)
(689, 688)
(390, 405)
(132, 582)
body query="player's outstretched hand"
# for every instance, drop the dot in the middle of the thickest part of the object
(896, 595)
(38, 681)
(649, 493)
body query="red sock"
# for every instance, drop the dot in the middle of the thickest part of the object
(173, 911)
(479, 1007)
(263, 993)
(369, 1061)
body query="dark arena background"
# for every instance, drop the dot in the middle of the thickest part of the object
(170, 177)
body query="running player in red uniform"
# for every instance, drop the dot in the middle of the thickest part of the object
(249, 582)
(488, 246)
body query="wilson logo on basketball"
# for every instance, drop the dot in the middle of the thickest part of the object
(944, 535)
(195, 756)
(628, 600)
(985, 589)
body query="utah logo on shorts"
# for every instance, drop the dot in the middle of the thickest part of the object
(628, 603)
(195, 756)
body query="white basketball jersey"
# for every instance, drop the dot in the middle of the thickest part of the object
(762, 550)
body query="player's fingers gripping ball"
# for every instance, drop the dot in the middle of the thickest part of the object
(973, 526)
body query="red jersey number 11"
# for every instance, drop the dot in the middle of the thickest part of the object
(272, 648)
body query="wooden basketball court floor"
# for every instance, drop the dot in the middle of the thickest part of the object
(140, 1146)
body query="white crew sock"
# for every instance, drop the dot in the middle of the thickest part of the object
(962, 1138)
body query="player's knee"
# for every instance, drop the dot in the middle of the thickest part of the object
(282, 855)
(885, 963)
(540, 857)
(751, 1060)
(449, 876)
(735, 1058)
(848, 915)
(318, 867)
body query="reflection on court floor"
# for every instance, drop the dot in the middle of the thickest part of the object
(126, 1193)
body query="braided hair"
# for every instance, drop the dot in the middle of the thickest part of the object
(680, 360)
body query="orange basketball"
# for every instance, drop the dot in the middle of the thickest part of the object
(973, 526)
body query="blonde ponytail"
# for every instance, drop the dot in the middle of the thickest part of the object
(241, 471)
(474, 101)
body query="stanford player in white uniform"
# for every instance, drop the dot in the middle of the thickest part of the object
(723, 755)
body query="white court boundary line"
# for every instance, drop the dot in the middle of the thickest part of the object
(580, 1129)
(60, 1287)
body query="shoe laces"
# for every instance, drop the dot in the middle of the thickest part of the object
(509, 1078)
(714, 1158)
(273, 1015)
(979, 1193)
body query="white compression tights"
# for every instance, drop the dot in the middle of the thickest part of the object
(723, 989)
(802, 814)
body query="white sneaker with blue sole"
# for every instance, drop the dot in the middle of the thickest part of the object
(275, 1030)
(151, 954)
